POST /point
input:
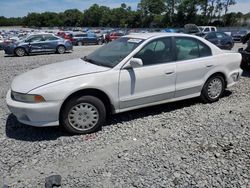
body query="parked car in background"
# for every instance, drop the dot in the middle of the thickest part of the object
(113, 36)
(191, 29)
(207, 29)
(169, 30)
(38, 43)
(245, 63)
(65, 35)
(135, 71)
(237, 37)
(1, 42)
(86, 38)
(220, 39)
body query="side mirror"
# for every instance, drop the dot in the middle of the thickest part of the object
(134, 63)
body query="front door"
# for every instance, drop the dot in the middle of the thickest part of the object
(154, 81)
(36, 44)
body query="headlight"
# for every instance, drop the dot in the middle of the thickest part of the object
(28, 98)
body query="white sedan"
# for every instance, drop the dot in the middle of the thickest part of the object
(136, 71)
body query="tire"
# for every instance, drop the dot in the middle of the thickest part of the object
(229, 46)
(61, 49)
(213, 89)
(79, 43)
(83, 115)
(20, 52)
(100, 42)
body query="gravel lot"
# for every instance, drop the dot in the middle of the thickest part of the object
(183, 144)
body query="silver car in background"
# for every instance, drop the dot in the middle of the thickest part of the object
(135, 71)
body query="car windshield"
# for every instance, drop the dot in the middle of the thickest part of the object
(113, 53)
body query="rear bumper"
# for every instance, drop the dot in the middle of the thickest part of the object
(234, 78)
(37, 114)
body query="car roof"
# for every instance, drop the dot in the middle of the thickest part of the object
(152, 35)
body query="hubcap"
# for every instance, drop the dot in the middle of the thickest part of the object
(215, 88)
(20, 52)
(83, 116)
(61, 50)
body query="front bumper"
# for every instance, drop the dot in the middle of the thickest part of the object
(35, 114)
(9, 50)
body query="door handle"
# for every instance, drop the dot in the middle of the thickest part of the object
(169, 72)
(209, 66)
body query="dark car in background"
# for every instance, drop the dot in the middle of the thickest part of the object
(1, 42)
(38, 43)
(245, 63)
(237, 37)
(80, 39)
(220, 39)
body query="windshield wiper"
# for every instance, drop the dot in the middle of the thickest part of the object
(95, 62)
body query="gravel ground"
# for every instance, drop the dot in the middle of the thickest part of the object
(182, 144)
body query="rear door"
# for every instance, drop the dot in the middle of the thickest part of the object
(50, 43)
(193, 60)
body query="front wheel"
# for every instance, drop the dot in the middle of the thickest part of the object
(213, 89)
(20, 52)
(83, 115)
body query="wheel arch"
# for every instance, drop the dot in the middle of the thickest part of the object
(219, 73)
(22, 48)
(60, 44)
(92, 92)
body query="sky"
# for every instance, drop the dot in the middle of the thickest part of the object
(16, 8)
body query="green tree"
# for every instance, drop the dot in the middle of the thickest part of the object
(72, 17)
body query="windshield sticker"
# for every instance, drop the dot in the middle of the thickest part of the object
(135, 40)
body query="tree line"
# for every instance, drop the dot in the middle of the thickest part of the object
(157, 13)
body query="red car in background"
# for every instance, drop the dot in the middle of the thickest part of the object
(113, 36)
(65, 35)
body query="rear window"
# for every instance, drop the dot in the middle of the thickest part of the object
(50, 38)
(189, 48)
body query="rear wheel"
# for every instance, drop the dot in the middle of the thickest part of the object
(83, 115)
(79, 43)
(213, 89)
(61, 49)
(100, 42)
(20, 52)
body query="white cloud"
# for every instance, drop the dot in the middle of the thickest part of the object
(243, 7)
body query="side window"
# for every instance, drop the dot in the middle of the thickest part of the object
(219, 35)
(212, 29)
(204, 49)
(186, 48)
(156, 52)
(50, 38)
(206, 29)
(36, 38)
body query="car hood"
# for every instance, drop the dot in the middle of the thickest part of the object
(54, 72)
